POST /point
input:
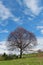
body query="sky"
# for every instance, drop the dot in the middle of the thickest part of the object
(21, 13)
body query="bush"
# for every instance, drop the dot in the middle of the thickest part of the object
(8, 57)
(15, 56)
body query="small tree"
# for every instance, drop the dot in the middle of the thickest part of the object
(21, 39)
(39, 51)
(4, 55)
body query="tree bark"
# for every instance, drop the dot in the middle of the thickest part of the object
(20, 53)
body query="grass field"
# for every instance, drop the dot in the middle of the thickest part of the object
(38, 60)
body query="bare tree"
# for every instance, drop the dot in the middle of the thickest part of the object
(21, 39)
(39, 51)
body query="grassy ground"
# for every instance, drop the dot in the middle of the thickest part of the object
(24, 61)
(36, 60)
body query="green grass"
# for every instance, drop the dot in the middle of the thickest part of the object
(24, 61)
(31, 59)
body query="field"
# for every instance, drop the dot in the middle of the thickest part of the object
(29, 60)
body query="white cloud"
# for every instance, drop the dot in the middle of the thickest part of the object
(2, 44)
(3, 47)
(39, 27)
(34, 6)
(17, 20)
(40, 42)
(4, 31)
(41, 31)
(5, 14)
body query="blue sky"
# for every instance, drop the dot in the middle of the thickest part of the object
(21, 13)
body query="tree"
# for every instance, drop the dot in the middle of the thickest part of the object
(21, 39)
(39, 51)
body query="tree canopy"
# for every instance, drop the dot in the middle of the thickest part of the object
(21, 39)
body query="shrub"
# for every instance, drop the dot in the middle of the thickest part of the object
(15, 56)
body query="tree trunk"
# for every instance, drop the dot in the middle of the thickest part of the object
(20, 53)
